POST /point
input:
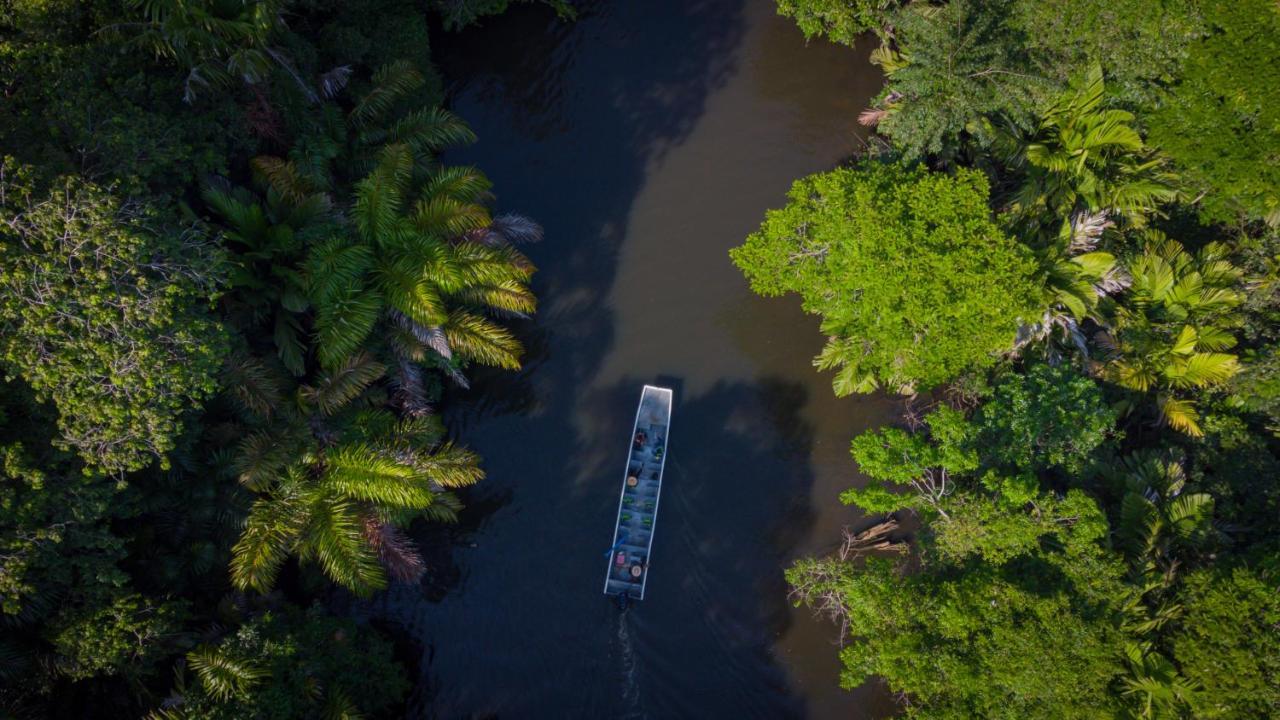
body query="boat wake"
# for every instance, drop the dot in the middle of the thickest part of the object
(630, 677)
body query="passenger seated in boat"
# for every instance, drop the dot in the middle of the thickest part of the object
(640, 438)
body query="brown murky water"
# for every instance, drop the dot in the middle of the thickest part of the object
(648, 138)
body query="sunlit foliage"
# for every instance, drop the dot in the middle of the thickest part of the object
(900, 263)
(105, 308)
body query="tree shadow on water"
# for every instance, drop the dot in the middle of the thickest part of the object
(571, 119)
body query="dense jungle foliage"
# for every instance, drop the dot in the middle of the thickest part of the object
(1060, 244)
(234, 279)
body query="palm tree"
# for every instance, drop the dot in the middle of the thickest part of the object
(420, 257)
(1156, 515)
(1157, 520)
(340, 148)
(222, 675)
(1076, 277)
(1086, 169)
(1161, 691)
(1168, 334)
(268, 237)
(1085, 157)
(337, 476)
(431, 267)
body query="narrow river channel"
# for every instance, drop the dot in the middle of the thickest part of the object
(648, 138)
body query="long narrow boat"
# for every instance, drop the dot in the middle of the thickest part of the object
(638, 504)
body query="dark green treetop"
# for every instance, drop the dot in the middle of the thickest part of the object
(1221, 121)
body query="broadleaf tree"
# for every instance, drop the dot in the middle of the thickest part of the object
(105, 306)
(900, 263)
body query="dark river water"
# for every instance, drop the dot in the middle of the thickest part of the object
(648, 138)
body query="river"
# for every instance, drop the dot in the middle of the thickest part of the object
(648, 138)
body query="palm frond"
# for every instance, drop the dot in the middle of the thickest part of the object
(254, 386)
(452, 372)
(509, 297)
(448, 217)
(476, 264)
(428, 337)
(333, 81)
(460, 182)
(410, 393)
(290, 347)
(391, 83)
(223, 676)
(285, 178)
(344, 383)
(481, 340)
(339, 706)
(260, 458)
(396, 551)
(516, 229)
(1179, 414)
(336, 266)
(239, 209)
(359, 472)
(450, 466)
(334, 537)
(343, 323)
(380, 194)
(445, 509)
(274, 525)
(430, 130)
(1201, 370)
(1190, 514)
(404, 284)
